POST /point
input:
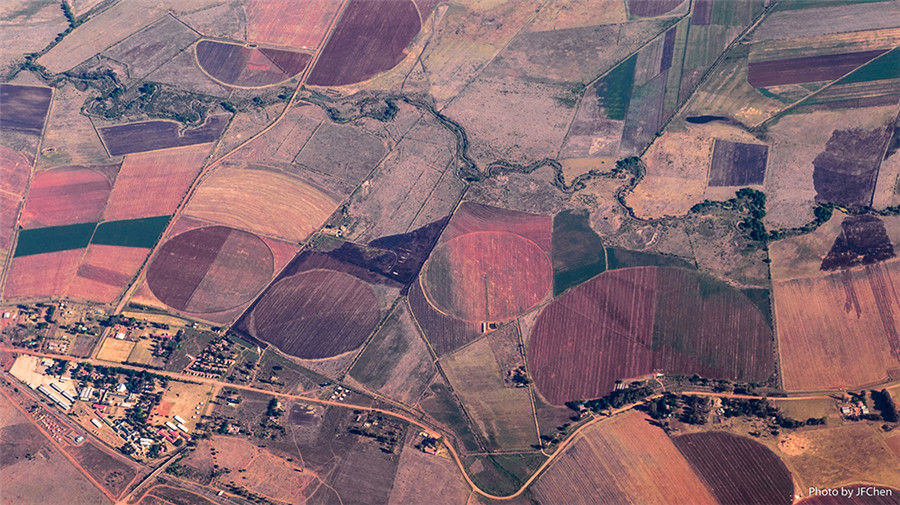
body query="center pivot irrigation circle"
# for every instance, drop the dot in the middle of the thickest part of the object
(210, 269)
(487, 276)
(316, 314)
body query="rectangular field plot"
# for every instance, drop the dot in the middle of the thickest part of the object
(23, 108)
(159, 134)
(737, 163)
(116, 350)
(45, 274)
(54, 238)
(807, 69)
(501, 414)
(622, 460)
(841, 330)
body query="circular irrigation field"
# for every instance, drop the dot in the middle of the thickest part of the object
(316, 314)
(240, 65)
(487, 276)
(630, 322)
(210, 269)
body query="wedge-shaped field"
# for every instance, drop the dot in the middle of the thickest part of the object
(210, 269)
(153, 184)
(634, 321)
(239, 65)
(261, 200)
(622, 460)
(841, 330)
(315, 314)
(737, 470)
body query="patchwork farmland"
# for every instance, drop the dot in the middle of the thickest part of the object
(416, 251)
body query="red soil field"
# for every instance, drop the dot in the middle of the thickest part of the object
(648, 8)
(630, 322)
(856, 498)
(471, 217)
(210, 269)
(594, 334)
(66, 196)
(370, 37)
(316, 314)
(444, 333)
(292, 23)
(24, 108)
(239, 65)
(826, 67)
(153, 184)
(737, 470)
(624, 459)
(41, 274)
(105, 272)
(841, 330)
(487, 276)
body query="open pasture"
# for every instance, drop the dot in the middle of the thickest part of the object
(370, 37)
(624, 459)
(261, 200)
(243, 66)
(737, 163)
(114, 472)
(737, 470)
(315, 314)
(66, 196)
(159, 134)
(15, 169)
(153, 184)
(423, 478)
(115, 350)
(24, 108)
(500, 414)
(210, 269)
(300, 24)
(841, 330)
(630, 322)
(152, 46)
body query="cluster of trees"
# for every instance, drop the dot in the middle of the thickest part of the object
(735, 407)
(885, 404)
(635, 392)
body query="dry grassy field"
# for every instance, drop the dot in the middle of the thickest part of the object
(622, 460)
(115, 350)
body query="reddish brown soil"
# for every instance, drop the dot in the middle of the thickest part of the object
(487, 276)
(863, 240)
(152, 184)
(316, 314)
(826, 67)
(105, 272)
(737, 470)
(444, 333)
(41, 274)
(292, 23)
(14, 171)
(630, 322)
(471, 217)
(594, 334)
(66, 196)
(210, 269)
(23, 108)
(649, 8)
(240, 65)
(159, 134)
(370, 37)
